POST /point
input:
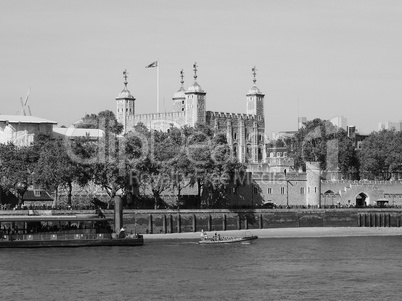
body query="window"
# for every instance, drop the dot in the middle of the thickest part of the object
(234, 190)
(269, 190)
(37, 193)
(282, 190)
(302, 190)
(315, 189)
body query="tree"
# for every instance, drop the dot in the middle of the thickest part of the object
(213, 165)
(109, 170)
(17, 165)
(156, 170)
(221, 172)
(381, 154)
(198, 150)
(319, 140)
(61, 165)
(104, 120)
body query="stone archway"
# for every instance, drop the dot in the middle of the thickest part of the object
(328, 200)
(362, 200)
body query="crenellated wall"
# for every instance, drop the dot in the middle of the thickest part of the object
(158, 121)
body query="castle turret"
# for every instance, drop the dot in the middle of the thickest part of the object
(313, 183)
(125, 104)
(255, 99)
(179, 98)
(255, 107)
(195, 103)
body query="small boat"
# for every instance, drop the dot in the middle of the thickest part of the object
(218, 239)
(61, 231)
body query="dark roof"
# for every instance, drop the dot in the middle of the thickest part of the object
(29, 195)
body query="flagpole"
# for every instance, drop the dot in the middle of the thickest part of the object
(157, 86)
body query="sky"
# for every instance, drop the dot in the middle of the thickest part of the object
(314, 58)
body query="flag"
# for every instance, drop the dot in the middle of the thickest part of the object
(154, 64)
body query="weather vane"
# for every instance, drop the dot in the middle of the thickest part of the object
(182, 76)
(125, 74)
(195, 70)
(254, 69)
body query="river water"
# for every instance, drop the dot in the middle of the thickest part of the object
(354, 268)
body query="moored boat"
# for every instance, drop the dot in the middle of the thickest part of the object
(62, 231)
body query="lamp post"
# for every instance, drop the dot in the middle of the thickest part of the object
(287, 193)
(287, 189)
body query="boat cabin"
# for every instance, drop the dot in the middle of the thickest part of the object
(26, 227)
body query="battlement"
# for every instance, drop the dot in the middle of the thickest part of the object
(231, 115)
(363, 182)
(168, 115)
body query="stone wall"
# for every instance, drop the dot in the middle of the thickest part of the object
(174, 221)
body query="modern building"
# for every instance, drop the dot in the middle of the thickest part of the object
(301, 121)
(72, 133)
(339, 121)
(21, 130)
(390, 125)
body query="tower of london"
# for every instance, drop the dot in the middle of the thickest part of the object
(245, 132)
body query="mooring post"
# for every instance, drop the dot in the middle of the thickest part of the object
(224, 222)
(164, 224)
(118, 213)
(178, 223)
(150, 224)
(261, 225)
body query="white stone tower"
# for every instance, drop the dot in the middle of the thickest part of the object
(255, 99)
(179, 98)
(125, 105)
(255, 107)
(195, 103)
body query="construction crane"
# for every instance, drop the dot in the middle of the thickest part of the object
(25, 109)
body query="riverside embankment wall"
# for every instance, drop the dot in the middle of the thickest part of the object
(176, 221)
